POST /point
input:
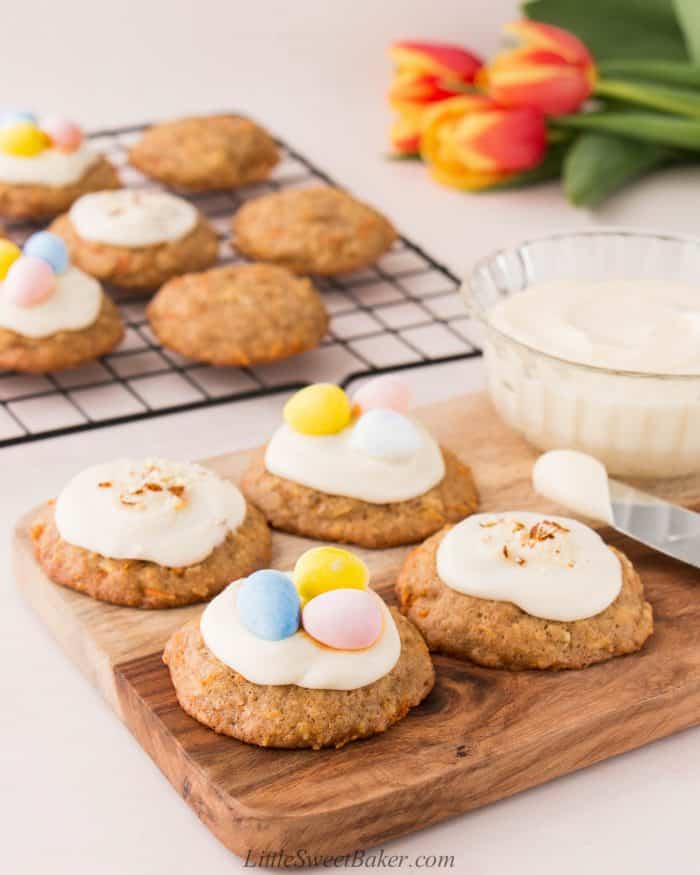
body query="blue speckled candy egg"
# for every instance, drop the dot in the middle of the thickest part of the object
(49, 247)
(17, 115)
(268, 605)
(385, 434)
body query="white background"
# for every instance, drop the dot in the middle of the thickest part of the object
(77, 794)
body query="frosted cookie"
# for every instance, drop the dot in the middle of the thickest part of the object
(522, 590)
(45, 165)
(318, 230)
(52, 315)
(364, 474)
(206, 153)
(137, 239)
(149, 534)
(305, 660)
(240, 314)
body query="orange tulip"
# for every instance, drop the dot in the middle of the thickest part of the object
(552, 70)
(425, 74)
(471, 142)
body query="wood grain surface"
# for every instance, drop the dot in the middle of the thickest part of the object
(481, 735)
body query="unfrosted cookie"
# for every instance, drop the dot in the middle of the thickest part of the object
(205, 153)
(52, 315)
(500, 634)
(280, 661)
(137, 239)
(313, 230)
(149, 534)
(239, 315)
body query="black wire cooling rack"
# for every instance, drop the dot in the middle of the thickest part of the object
(403, 312)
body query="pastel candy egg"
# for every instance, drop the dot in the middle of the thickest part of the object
(326, 568)
(50, 247)
(386, 435)
(17, 115)
(345, 619)
(9, 253)
(29, 281)
(22, 139)
(386, 393)
(268, 605)
(64, 134)
(319, 409)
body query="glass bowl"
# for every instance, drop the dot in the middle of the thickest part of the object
(637, 424)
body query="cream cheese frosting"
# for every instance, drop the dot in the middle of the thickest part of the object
(330, 464)
(50, 167)
(549, 566)
(646, 326)
(126, 217)
(74, 304)
(298, 659)
(575, 480)
(171, 513)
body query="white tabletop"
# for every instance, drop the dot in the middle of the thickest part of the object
(78, 793)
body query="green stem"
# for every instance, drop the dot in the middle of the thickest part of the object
(666, 72)
(675, 100)
(650, 127)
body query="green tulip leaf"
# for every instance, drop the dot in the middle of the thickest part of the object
(597, 165)
(688, 14)
(618, 28)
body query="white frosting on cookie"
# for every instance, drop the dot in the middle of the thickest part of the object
(50, 167)
(126, 217)
(297, 660)
(74, 304)
(172, 513)
(328, 463)
(550, 567)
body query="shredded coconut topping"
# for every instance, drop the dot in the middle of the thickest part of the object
(520, 544)
(151, 477)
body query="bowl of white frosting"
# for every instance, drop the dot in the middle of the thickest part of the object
(592, 342)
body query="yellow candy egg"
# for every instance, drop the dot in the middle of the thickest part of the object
(23, 139)
(9, 253)
(319, 409)
(324, 568)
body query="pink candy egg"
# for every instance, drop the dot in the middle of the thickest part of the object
(345, 619)
(387, 393)
(29, 281)
(65, 134)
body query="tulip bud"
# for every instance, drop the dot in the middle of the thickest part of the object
(426, 73)
(471, 142)
(405, 133)
(552, 70)
(438, 59)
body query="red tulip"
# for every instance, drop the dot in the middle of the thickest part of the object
(552, 70)
(445, 61)
(425, 74)
(471, 142)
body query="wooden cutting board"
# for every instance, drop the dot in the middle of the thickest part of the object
(481, 734)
